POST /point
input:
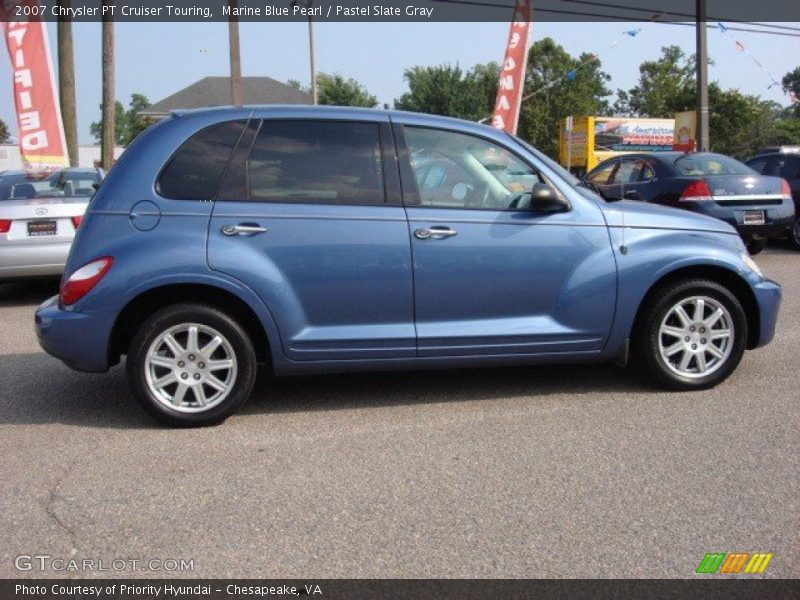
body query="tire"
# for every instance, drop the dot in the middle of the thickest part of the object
(189, 384)
(756, 246)
(794, 234)
(654, 344)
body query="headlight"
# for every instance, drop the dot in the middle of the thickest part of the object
(751, 264)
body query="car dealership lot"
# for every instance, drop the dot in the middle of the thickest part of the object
(523, 472)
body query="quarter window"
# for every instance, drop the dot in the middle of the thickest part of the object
(321, 162)
(194, 171)
(454, 170)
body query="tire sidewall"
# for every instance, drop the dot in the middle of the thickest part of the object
(794, 234)
(162, 320)
(658, 311)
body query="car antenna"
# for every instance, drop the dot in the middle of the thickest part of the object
(623, 248)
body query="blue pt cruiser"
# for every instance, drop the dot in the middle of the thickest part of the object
(328, 239)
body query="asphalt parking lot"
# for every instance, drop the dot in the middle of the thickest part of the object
(525, 472)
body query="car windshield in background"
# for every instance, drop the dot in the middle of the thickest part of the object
(73, 184)
(711, 164)
(20, 186)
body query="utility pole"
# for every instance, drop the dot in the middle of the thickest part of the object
(66, 84)
(309, 5)
(701, 57)
(311, 57)
(108, 138)
(236, 61)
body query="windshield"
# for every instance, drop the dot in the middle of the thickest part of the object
(561, 171)
(710, 165)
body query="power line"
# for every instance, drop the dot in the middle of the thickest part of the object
(479, 3)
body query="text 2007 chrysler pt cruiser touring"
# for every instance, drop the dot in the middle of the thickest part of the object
(324, 239)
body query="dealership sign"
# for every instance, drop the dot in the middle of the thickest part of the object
(41, 134)
(512, 73)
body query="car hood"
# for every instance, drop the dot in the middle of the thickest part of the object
(631, 213)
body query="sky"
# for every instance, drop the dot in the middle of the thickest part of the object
(158, 59)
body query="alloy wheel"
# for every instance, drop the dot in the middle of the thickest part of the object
(190, 367)
(696, 337)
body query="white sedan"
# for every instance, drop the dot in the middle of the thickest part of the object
(39, 217)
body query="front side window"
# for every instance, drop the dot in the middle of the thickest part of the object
(454, 170)
(603, 173)
(320, 162)
(194, 171)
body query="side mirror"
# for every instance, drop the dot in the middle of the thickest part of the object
(545, 199)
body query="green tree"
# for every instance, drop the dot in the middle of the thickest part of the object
(5, 135)
(338, 91)
(662, 83)
(739, 124)
(558, 85)
(128, 123)
(449, 90)
(791, 85)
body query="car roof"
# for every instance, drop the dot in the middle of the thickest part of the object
(66, 170)
(331, 112)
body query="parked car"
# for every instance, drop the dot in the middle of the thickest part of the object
(786, 165)
(302, 237)
(758, 206)
(38, 218)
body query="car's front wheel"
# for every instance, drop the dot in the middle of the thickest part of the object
(692, 335)
(191, 365)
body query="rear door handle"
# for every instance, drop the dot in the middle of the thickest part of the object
(437, 232)
(243, 229)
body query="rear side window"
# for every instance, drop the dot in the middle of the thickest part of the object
(319, 162)
(194, 171)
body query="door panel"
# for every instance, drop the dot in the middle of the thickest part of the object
(321, 240)
(490, 278)
(511, 282)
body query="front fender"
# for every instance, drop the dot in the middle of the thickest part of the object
(652, 254)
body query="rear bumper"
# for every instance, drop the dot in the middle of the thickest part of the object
(768, 297)
(80, 340)
(33, 260)
(778, 218)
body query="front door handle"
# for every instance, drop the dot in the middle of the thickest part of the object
(243, 229)
(437, 232)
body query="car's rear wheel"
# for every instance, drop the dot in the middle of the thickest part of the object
(692, 335)
(795, 234)
(756, 246)
(191, 365)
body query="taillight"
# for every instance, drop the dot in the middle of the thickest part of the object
(84, 279)
(5, 225)
(786, 190)
(697, 191)
(76, 221)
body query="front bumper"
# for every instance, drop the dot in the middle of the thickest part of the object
(80, 340)
(768, 297)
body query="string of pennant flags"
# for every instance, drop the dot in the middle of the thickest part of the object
(743, 49)
(572, 74)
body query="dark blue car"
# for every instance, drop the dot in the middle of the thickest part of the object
(758, 206)
(324, 239)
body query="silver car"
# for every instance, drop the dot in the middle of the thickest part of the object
(39, 217)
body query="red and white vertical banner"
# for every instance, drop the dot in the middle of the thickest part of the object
(41, 131)
(512, 73)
